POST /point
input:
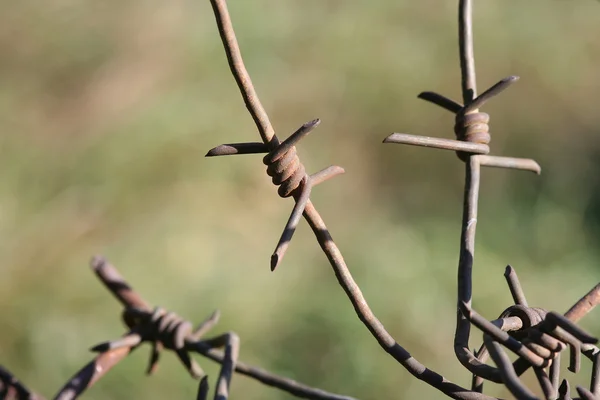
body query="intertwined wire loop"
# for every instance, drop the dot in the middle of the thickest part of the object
(164, 330)
(472, 127)
(284, 166)
(286, 171)
(163, 326)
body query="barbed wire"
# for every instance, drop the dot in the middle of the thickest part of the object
(163, 330)
(535, 335)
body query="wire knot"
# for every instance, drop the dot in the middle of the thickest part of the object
(472, 127)
(164, 330)
(168, 328)
(286, 171)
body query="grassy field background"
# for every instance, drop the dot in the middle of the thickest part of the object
(107, 110)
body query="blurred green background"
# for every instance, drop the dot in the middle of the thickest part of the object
(107, 110)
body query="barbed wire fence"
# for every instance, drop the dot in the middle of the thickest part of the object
(537, 336)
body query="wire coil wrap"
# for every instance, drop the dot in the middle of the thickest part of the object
(286, 171)
(473, 127)
(169, 328)
(162, 328)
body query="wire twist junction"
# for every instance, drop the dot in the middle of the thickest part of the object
(287, 172)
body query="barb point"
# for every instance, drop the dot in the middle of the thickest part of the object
(97, 262)
(274, 261)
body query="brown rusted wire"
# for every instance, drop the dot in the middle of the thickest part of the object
(167, 330)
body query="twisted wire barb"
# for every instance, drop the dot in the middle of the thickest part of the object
(167, 330)
(342, 273)
(537, 336)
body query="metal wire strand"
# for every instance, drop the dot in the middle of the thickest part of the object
(509, 376)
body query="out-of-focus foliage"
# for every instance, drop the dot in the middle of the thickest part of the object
(106, 112)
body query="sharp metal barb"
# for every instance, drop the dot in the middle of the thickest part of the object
(564, 391)
(190, 364)
(292, 224)
(238, 148)
(523, 164)
(515, 286)
(206, 325)
(441, 100)
(294, 138)
(490, 93)
(437, 143)
(326, 174)
(154, 358)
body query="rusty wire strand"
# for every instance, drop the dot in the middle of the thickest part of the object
(139, 317)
